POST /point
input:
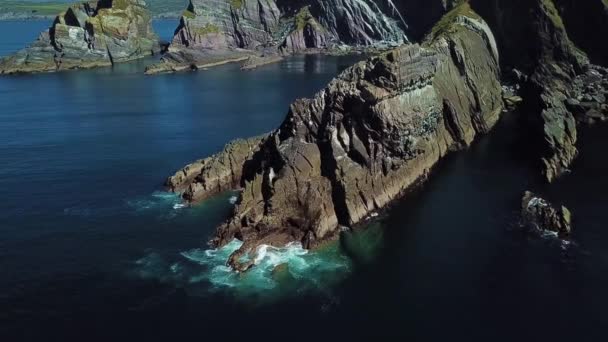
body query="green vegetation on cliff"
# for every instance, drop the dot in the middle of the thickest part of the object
(445, 25)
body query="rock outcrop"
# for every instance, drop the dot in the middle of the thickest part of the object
(534, 36)
(211, 176)
(89, 35)
(371, 134)
(541, 216)
(228, 28)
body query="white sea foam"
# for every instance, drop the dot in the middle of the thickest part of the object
(164, 204)
(233, 199)
(198, 267)
(177, 206)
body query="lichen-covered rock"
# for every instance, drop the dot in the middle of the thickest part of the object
(88, 35)
(371, 134)
(210, 176)
(540, 215)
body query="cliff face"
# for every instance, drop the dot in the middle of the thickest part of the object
(556, 72)
(227, 24)
(88, 35)
(547, 42)
(374, 131)
(211, 30)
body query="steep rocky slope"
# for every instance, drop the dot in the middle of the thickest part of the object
(211, 30)
(88, 35)
(555, 73)
(371, 134)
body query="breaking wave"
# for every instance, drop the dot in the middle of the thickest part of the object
(289, 268)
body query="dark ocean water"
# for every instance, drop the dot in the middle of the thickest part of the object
(92, 249)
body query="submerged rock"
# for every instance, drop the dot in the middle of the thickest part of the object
(87, 35)
(541, 215)
(371, 134)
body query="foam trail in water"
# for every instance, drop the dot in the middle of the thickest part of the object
(291, 266)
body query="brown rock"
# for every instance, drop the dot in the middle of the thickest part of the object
(371, 134)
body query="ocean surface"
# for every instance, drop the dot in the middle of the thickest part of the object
(92, 248)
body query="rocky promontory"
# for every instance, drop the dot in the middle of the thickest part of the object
(371, 134)
(87, 35)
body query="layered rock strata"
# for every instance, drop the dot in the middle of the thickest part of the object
(371, 134)
(87, 35)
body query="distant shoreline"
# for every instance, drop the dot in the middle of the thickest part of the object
(9, 16)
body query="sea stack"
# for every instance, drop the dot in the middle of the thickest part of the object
(87, 35)
(214, 32)
(370, 135)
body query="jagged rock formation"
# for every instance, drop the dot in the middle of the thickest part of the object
(86, 35)
(212, 28)
(371, 134)
(210, 176)
(539, 44)
(540, 215)
(221, 24)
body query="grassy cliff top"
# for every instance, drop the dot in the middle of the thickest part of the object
(446, 24)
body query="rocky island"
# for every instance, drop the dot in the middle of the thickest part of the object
(371, 134)
(381, 125)
(87, 35)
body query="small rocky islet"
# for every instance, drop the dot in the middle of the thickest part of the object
(87, 35)
(441, 74)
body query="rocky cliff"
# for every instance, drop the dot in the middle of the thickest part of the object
(547, 46)
(211, 30)
(88, 35)
(370, 135)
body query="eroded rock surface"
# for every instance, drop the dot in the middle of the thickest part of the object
(210, 176)
(88, 35)
(371, 134)
(270, 27)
